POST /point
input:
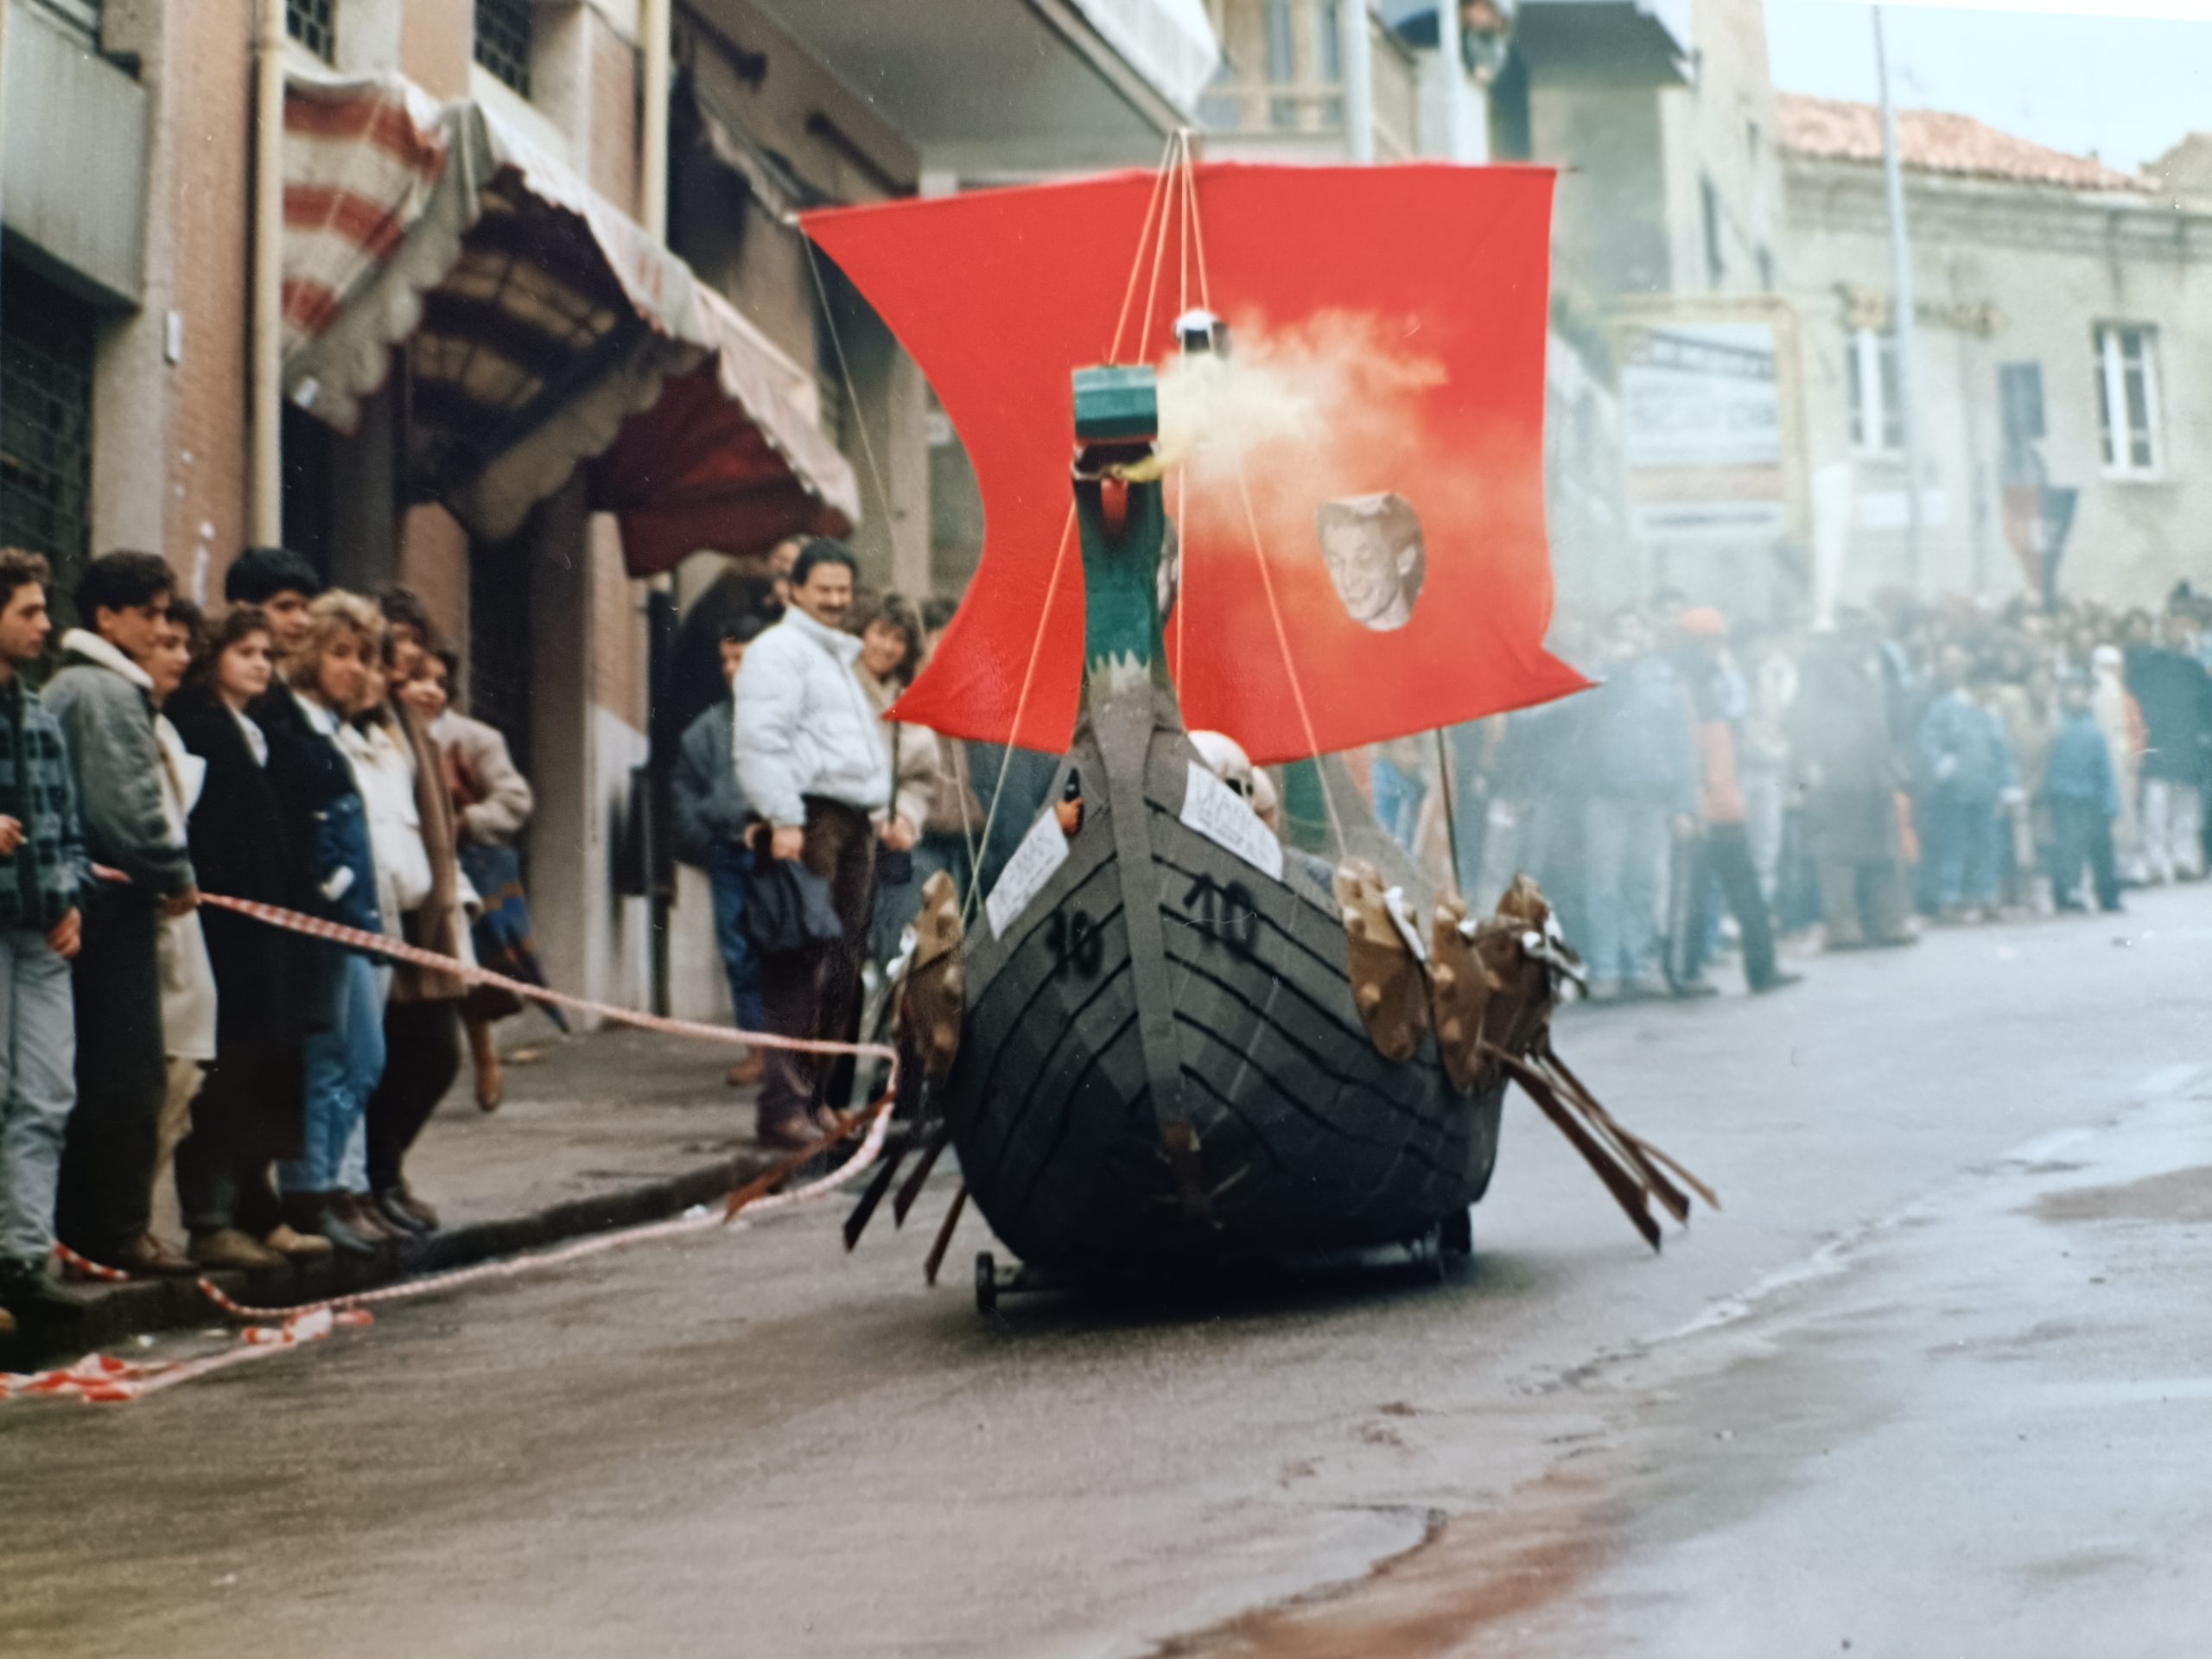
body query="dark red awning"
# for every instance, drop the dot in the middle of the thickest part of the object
(543, 330)
(726, 461)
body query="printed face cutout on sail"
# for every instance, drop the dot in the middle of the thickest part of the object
(1372, 546)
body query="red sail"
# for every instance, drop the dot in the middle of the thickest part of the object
(1384, 380)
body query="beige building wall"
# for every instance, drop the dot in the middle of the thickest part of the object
(1722, 132)
(168, 440)
(2010, 274)
(750, 74)
(1639, 157)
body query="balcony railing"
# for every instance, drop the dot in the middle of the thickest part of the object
(1282, 76)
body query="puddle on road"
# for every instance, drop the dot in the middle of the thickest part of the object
(1470, 1572)
(2183, 1196)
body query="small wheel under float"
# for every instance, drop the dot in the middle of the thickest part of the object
(1455, 1236)
(993, 1282)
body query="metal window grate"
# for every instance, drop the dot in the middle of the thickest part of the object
(314, 24)
(46, 423)
(503, 33)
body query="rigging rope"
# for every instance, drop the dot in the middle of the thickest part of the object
(1182, 473)
(1290, 666)
(1159, 185)
(1151, 207)
(845, 374)
(1020, 705)
(1259, 547)
(1159, 251)
(1183, 237)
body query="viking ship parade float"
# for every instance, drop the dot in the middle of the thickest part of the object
(1261, 450)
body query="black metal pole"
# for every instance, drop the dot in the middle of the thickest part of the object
(657, 843)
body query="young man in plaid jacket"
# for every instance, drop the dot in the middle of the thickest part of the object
(41, 865)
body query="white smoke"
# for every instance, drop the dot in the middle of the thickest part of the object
(1338, 378)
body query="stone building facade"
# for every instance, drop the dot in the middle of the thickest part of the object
(2061, 369)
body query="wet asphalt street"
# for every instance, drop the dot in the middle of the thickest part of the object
(1938, 1381)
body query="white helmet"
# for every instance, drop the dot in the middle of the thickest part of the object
(1226, 760)
(1265, 801)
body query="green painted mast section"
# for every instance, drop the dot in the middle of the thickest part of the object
(1116, 418)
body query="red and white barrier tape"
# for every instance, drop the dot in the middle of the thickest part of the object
(101, 1379)
(398, 951)
(871, 1148)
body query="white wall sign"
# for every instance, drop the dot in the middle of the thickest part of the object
(1223, 817)
(1043, 850)
(1701, 416)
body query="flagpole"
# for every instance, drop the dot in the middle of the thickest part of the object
(1451, 810)
(1356, 54)
(1902, 309)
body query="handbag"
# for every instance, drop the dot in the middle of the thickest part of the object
(788, 909)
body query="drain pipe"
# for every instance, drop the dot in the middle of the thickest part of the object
(1356, 54)
(659, 873)
(653, 26)
(265, 457)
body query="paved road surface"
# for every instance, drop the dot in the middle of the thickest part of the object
(1938, 1381)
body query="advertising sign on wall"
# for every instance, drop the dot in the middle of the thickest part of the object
(1702, 412)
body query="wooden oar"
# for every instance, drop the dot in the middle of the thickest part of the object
(1627, 1190)
(945, 1237)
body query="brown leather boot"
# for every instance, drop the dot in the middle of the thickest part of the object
(316, 1215)
(228, 1247)
(360, 1215)
(490, 1079)
(399, 1205)
(296, 1246)
(148, 1257)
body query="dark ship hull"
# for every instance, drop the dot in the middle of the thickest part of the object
(1157, 977)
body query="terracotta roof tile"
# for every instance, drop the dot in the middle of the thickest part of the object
(1933, 142)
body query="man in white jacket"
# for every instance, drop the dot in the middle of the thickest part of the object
(814, 766)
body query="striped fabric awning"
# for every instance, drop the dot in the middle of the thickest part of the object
(539, 328)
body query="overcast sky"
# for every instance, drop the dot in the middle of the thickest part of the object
(2127, 88)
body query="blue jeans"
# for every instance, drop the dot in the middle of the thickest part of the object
(344, 1064)
(38, 1087)
(1962, 837)
(2082, 835)
(726, 878)
(1624, 839)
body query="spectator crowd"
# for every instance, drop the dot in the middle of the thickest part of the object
(1913, 764)
(297, 750)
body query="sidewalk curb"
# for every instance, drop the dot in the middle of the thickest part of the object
(142, 1307)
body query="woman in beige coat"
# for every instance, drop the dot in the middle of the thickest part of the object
(891, 652)
(492, 802)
